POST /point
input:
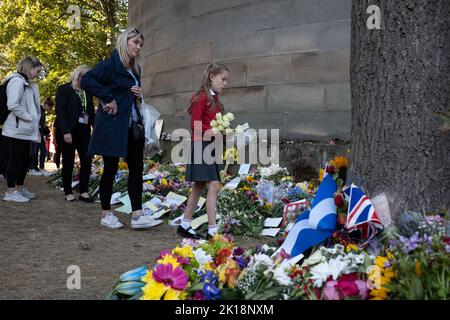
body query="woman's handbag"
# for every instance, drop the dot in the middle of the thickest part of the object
(138, 130)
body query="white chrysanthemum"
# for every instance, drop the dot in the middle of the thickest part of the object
(213, 123)
(315, 258)
(281, 276)
(322, 271)
(201, 257)
(228, 131)
(230, 116)
(218, 116)
(239, 130)
(262, 259)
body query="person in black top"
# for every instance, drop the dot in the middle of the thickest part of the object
(74, 119)
(45, 132)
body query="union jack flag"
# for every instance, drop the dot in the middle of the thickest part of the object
(361, 213)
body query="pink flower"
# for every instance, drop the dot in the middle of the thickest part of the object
(346, 286)
(330, 292)
(363, 289)
(183, 261)
(198, 295)
(175, 278)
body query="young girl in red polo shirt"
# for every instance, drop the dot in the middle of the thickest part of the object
(203, 109)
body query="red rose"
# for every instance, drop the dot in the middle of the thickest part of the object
(339, 200)
(446, 240)
(331, 169)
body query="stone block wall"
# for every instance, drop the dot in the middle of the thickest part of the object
(289, 61)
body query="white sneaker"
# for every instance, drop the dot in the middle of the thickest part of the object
(27, 194)
(34, 172)
(16, 196)
(144, 222)
(45, 173)
(111, 221)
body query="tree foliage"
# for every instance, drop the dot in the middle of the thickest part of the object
(46, 29)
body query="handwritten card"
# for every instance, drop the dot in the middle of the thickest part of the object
(244, 169)
(270, 232)
(173, 200)
(200, 204)
(233, 184)
(272, 222)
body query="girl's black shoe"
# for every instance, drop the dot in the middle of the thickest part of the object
(186, 234)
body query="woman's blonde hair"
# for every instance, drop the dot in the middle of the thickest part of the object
(122, 48)
(76, 75)
(212, 69)
(26, 64)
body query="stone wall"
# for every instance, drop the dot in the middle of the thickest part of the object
(289, 60)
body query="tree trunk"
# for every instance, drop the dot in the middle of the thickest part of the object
(400, 80)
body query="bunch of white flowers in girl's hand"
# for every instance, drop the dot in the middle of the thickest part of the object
(222, 123)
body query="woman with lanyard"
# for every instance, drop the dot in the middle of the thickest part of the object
(74, 119)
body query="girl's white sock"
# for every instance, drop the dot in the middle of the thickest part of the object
(186, 223)
(212, 230)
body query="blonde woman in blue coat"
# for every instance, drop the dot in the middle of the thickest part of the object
(116, 82)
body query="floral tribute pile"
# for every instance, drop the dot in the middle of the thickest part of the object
(404, 268)
(404, 258)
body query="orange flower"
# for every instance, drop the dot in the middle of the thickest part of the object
(228, 273)
(418, 269)
(223, 255)
(339, 162)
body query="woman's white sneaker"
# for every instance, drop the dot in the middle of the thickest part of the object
(144, 222)
(27, 194)
(16, 196)
(111, 221)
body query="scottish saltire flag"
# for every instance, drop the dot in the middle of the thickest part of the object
(316, 225)
(361, 213)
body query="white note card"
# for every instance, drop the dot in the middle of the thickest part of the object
(270, 232)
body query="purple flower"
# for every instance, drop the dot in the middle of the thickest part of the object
(259, 249)
(241, 261)
(414, 241)
(394, 243)
(208, 277)
(211, 292)
(238, 251)
(198, 295)
(447, 248)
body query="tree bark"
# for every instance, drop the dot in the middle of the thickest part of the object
(400, 80)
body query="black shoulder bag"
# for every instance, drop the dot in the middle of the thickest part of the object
(137, 127)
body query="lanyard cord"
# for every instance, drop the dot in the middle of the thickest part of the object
(83, 99)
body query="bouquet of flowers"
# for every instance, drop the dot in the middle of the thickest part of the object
(195, 270)
(335, 273)
(222, 123)
(415, 267)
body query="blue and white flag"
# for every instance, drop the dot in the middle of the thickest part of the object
(316, 225)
